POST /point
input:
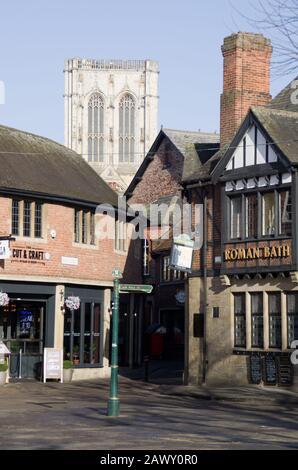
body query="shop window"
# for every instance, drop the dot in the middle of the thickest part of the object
(82, 335)
(292, 317)
(26, 218)
(251, 202)
(257, 328)
(240, 320)
(285, 213)
(236, 217)
(274, 320)
(268, 214)
(84, 227)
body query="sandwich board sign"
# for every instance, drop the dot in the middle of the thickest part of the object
(53, 364)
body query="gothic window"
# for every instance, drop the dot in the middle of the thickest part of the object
(95, 129)
(126, 129)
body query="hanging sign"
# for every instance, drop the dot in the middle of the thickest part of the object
(182, 253)
(53, 364)
(4, 249)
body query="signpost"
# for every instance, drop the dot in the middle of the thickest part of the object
(114, 402)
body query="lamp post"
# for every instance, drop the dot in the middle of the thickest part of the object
(114, 402)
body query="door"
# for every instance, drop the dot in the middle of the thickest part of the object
(22, 330)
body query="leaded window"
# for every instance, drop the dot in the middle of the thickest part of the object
(27, 219)
(236, 217)
(274, 320)
(38, 220)
(96, 128)
(240, 320)
(292, 315)
(257, 328)
(84, 227)
(15, 217)
(268, 214)
(126, 129)
(251, 215)
(285, 213)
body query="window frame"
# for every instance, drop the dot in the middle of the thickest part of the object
(84, 227)
(260, 315)
(260, 214)
(241, 315)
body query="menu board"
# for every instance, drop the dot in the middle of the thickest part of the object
(270, 369)
(53, 364)
(255, 367)
(285, 370)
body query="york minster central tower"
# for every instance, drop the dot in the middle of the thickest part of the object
(110, 109)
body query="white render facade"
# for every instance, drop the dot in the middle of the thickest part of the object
(110, 114)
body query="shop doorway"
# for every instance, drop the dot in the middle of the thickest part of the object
(22, 330)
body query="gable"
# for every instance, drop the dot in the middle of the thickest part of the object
(253, 149)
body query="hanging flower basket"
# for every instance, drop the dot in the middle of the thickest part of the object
(4, 299)
(72, 302)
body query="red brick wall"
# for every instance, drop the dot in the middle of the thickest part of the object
(161, 177)
(213, 225)
(95, 264)
(246, 79)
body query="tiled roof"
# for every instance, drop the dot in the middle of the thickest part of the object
(35, 164)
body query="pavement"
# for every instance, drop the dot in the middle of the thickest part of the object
(154, 415)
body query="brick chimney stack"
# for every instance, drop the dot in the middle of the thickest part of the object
(246, 79)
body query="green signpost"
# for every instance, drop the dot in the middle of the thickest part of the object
(114, 402)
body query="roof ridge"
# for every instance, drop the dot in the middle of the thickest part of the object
(20, 131)
(282, 112)
(189, 132)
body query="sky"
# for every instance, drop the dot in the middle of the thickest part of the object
(184, 36)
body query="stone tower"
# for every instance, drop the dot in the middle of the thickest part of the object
(110, 114)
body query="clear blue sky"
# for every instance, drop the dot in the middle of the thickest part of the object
(183, 35)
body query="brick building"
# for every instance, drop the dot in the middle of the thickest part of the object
(244, 280)
(159, 181)
(49, 196)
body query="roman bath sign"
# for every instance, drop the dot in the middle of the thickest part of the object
(264, 252)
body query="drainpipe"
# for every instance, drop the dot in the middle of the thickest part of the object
(205, 291)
